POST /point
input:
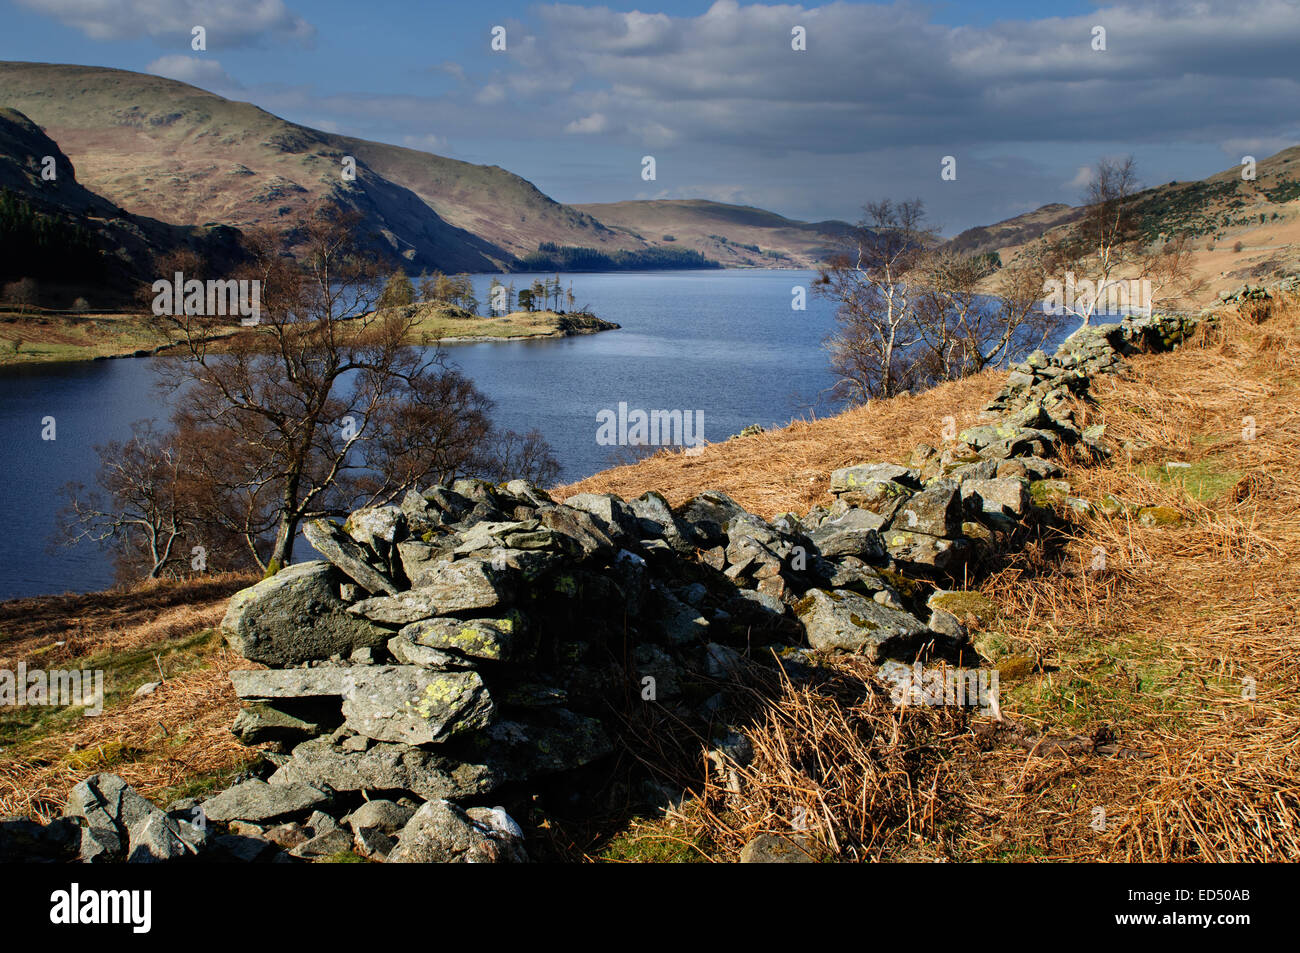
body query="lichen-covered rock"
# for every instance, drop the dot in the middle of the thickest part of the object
(295, 616)
(935, 511)
(414, 705)
(863, 475)
(920, 549)
(844, 621)
(505, 639)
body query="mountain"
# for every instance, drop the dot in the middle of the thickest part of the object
(733, 235)
(168, 150)
(54, 230)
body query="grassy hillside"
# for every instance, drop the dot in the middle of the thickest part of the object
(68, 239)
(1243, 231)
(165, 149)
(737, 236)
(1159, 689)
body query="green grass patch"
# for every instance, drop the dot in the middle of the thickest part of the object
(653, 842)
(1203, 481)
(124, 672)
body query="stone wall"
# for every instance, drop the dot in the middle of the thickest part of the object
(478, 641)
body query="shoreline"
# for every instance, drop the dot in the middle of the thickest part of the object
(73, 353)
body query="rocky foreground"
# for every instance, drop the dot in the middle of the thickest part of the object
(480, 641)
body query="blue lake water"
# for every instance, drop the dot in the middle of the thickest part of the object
(726, 343)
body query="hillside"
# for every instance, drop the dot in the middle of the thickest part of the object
(161, 148)
(1220, 212)
(53, 228)
(737, 236)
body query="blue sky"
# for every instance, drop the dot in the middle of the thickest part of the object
(1012, 89)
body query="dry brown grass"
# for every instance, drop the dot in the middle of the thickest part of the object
(1159, 644)
(156, 743)
(159, 742)
(1141, 665)
(789, 469)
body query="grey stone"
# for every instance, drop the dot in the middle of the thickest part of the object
(295, 616)
(864, 474)
(465, 585)
(384, 815)
(845, 621)
(258, 801)
(261, 722)
(924, 550)
(290, 682)
(856, 533)
(386, 767)
(774, 849)
(442, 833)
(1007, 496)
(935, 511)
(347, 554)
(413, 705)
(504, 639)
(327, 844)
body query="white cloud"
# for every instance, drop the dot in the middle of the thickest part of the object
(229, 23)
(195, 70)
(1082, 178)
(596, 122)
(427, 143)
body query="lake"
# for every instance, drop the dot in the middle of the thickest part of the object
(725, 344)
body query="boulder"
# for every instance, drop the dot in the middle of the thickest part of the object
(844, 621)
(414, 705)
(295, 616)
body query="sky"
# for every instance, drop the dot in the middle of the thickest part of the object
(1016, 92)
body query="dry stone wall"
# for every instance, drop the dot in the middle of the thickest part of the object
(463, 648)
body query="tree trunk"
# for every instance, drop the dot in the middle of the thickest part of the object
(282, 552)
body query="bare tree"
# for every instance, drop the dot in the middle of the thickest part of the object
(870, 279)
(141, 507)
(1104, 248)
(22, 293)
(323, 405)
(975, 314)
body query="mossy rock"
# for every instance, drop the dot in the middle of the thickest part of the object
(100, 756)
(1044, 492)
(967, 605)
(1013, 668)
(1159, 516)
(907, 587)
(1112, 505)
